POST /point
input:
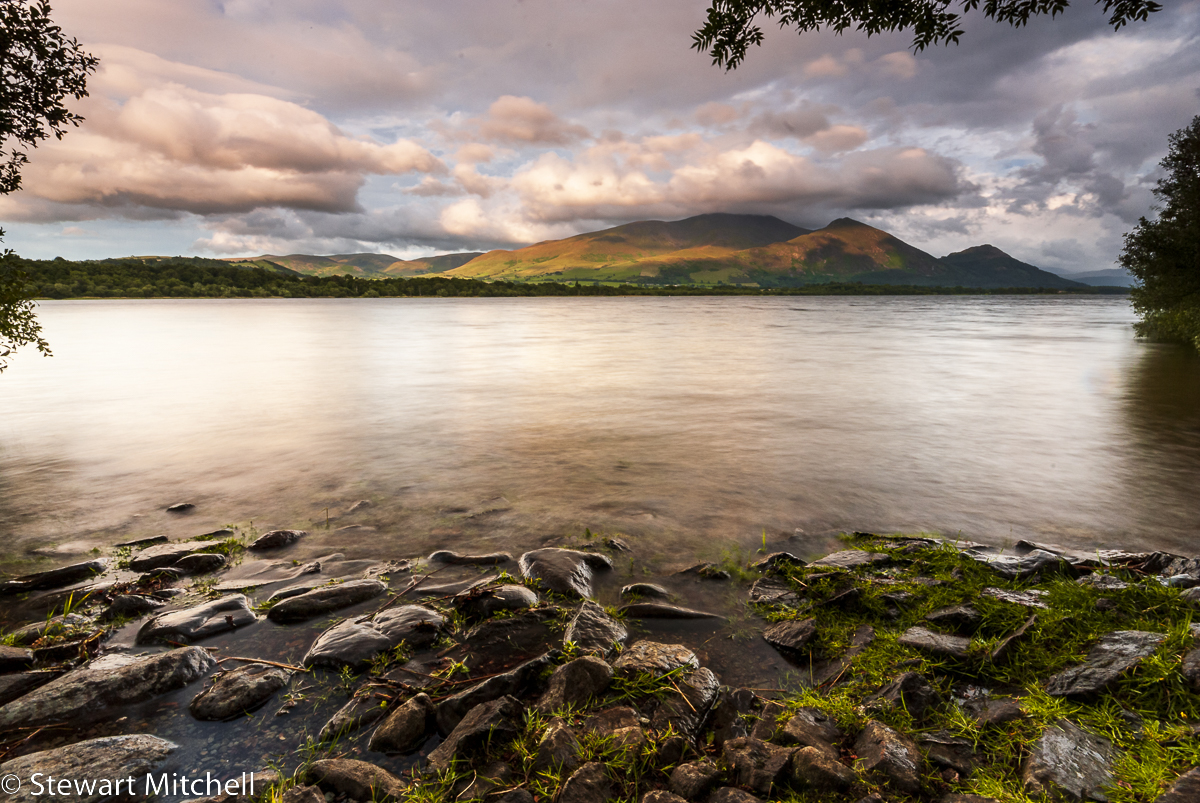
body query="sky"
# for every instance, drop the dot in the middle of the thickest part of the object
(412, 127)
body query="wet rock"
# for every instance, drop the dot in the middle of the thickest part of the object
(496, 719)
(852, 559)
(96, 760)
(1167, 565)
(829, 673)
(1034, 598)
(144, 542)
(563, 571)
(107, 684)
(653, 658)
(363, 709)
(558, 748)
(777, 560)
(588, 784)
(526, 679)
(296, 590)
(730, 715)
(756, 764)
(705, 571)
(480, 603)
(1114, 654)
(200, 621)
(324, 600)
(275, 539)
(130, 605)
(959, 618)
(1006, 644)
(810, 727)
(575, 683)
(158, 557)
(53, 627)
(1186, 789)
(406, 728)
(1016, 567)
(685, 708)
(791, 636)
(693, 780)
(1068, 760)
(658, 610)
(357, 780)
(200, 563)
(1001, 712)
(500, 643)
(455, 559)
(911, 692)
(452, 589)
(167, 574)
(946, 750)
(731, 794)
(239, 691)
(54, 578)
(353, 643)
(14, 659)
(889, 754)
(593, 630)
(645, 591)
(771, 591)
(928, 641)
(18, 684)
(813, 768)
(181, 507)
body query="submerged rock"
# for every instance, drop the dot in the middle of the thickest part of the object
(200, 563)
(645, 590)
(54, 578)
(91, 768)
(324, 600)
(238, 692)
(658, 610)
(1067, 759)
(275, 539)
(593, 630)
(163, 555)
(354, 643)
(455, 559)
(106, 684)
(563, 571)
(199, 621)
(1113, 655)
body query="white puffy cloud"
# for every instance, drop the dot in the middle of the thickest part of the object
(524, 121)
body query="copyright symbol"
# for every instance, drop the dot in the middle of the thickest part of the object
(10, 784)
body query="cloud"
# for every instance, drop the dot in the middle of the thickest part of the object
(524, 121)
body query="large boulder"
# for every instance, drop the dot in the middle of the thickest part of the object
(238, 691)
(199, 621)
(91, 768)
(106, 685)
(324, 600)
(563, 571)
(353, 643)
(1068, 760)
(593, 630)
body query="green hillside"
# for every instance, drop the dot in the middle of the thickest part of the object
(988, 266)
(367, 265)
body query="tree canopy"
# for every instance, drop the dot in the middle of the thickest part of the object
(1164, 254)
(730, 29)
(39, 68)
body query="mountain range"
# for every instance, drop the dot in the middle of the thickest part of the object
(712, 249)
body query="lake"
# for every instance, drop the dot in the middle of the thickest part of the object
(692, 427)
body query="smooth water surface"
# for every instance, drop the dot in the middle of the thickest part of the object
(690, 425)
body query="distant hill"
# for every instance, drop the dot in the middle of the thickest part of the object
(988, 266)
(1110, 277)
(368, 265)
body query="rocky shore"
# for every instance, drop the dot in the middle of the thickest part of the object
(920, 670)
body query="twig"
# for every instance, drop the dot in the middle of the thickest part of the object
(681, 694)
(416, 581)
(262, 661)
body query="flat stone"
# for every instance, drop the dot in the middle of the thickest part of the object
(1006, 644)
(693, 780)
(357, 780)
(275, 539)
(959, 618)
(199, 621)
(238, 691)
(1113, 655)
(773, 591)
(406, 728)
(526, 679)
(659, 610)
(144, 542)
(325, 599)
(14, 659)
(1186, 789)
(363, 709)
(1001, 712)
(497, 719)
(354, 643)
(296, 590)
(563, 571)
(18, 684)
(890, 755)
(852, 559)
(943, 749)
(756, 764)
(1034, 598)
(645, 590)
(1102, 582)
(653, 658)
(575, 683)
(482, 602)
(811, 727)
(911, 692)
(588, 784)
(813, 768)
(1016, 567)
(497, 644)
(592, 630)
(88, 766)
(54, 578)
(685, 708)
(1068, 760)
(920, 638)
(106, 685)
(131, 606)
(777, 560)
(791, 636)
(455, 559)
(181, 507)
(200, 563)
(158, 557)
(558, 747)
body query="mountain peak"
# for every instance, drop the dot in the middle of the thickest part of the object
(847, 222)
(985, 251)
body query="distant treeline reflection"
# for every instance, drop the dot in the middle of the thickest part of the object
(195, 277)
